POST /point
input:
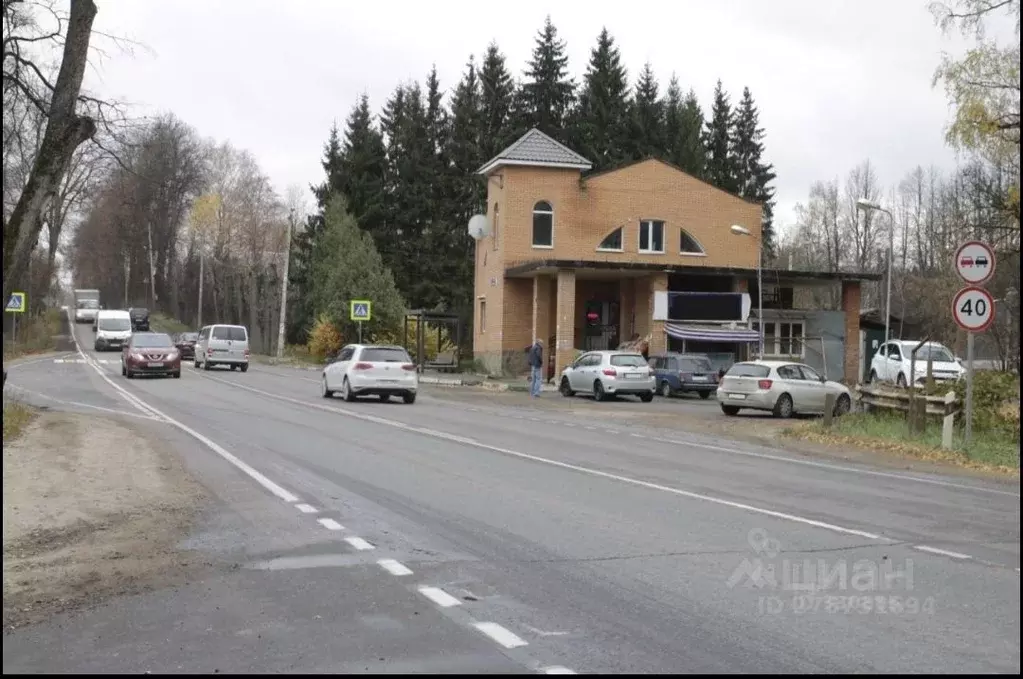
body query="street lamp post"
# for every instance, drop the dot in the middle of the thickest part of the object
(867, 206)
(284, 290)
(743, 231)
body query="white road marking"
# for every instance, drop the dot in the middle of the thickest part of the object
(394, 567)
(565, 465)
(359, 544)
(943, 552)
(439, 597)
(330, 524)
(500, 634)
(209, 443)
(306, 509)
(557, 669)
(85, 405)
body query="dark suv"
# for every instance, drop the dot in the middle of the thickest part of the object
(139, 319)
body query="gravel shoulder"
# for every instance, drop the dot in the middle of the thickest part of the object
(92, 508)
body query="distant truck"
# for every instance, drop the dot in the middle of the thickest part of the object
(86, 305)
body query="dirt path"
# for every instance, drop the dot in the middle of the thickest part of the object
(91, 509)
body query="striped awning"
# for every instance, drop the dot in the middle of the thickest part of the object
(706, 334)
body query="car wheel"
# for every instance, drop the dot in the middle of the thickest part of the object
(177, 374)
(783, 407)
(129, 374)
(900, 381)
(665, 389)
(123, 371)
(598, 392)
(565, 388)
(346, 391)
(647, 397)
(843, 405)
(872, 378)
(206, 365)
(731, 411)
(384, 398)
(195, 363)
(704, 395)
(409, 398)
(326, 393)
(244, 367)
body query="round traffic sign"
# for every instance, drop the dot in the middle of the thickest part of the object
(975, 262)
(973, 309)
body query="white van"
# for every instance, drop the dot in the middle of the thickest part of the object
(113, 330)
(223, 345)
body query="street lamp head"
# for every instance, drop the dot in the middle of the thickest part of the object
(864, 204)
(740, 230)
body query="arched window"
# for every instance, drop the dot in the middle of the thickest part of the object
(543, 225)
(497, 225)
(689, 245)
(612, 242)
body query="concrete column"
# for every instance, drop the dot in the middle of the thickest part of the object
(626, 308)
(658, 340)
(851, 307)
(564, 351)
(542, 308)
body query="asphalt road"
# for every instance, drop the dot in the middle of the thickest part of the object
(536, 541)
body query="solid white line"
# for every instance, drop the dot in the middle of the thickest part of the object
(943, 552)
(394, 567)
(86, 405)
(359, 544)
(557, 669)
(566, 465)
(330, 524)
(306, 509)
(500, 634)
(212, 445)
(439, 597)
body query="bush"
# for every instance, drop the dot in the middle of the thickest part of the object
(995, 400)
(324, 340)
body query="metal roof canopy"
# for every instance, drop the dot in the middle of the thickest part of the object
(421, 317)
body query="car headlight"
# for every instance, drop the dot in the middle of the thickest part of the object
(172, 356)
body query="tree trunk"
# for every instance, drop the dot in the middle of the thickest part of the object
(65, 132)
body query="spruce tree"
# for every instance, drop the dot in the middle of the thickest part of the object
(548, 92)
(753, 175)
(497, 97)
(363, 170)
(721, 170)
(683, 130)
(600, 123)
(647, 134)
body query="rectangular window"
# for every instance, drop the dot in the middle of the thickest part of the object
(651, 236)
(483, 316)
(783, 339)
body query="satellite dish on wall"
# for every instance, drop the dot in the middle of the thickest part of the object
(479, 227)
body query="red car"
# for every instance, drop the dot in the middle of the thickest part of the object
(150, 353)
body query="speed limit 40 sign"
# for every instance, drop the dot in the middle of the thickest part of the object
(973, 309)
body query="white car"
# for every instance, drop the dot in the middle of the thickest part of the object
(892, 361)
(86, 311)
(222, 345)
(780, 387)
(113, 330)
(607, 374)
(371, 370)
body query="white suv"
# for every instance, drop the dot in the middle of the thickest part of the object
(892, 361)
(371, 370)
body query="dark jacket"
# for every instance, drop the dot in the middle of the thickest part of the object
(535, 357)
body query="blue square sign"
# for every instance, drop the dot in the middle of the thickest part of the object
(361, 310)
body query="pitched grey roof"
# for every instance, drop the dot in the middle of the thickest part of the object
(537, 149)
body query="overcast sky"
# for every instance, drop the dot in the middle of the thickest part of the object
(837, 81)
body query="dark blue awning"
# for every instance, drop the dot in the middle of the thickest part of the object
(706, 334)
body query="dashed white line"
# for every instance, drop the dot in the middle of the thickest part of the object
(394, 567)
(439, 597)
(330, 524)
(942, 552)
(359, 544)
(501, 635)
(306, 509)
(557, 669)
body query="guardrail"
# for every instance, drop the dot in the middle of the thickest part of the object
(916, 405)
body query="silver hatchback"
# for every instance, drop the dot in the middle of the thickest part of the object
(780, 387)
(607, 374)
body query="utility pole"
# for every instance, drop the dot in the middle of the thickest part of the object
(127, 278)
(152, 267)
(202, 274)
(284, 288)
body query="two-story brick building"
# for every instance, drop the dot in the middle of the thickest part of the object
(586, 262)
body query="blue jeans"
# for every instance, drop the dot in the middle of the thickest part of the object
(535, 381)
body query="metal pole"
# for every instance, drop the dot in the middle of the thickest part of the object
(969, 388)
(152, 267)
(888, 292)
(760, 297)
(284, 291)
(360, 332)
(202, 278)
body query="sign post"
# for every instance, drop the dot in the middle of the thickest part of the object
(973, 309)
(15, 305)
(360, 311)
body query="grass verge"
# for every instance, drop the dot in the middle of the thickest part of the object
(36, 335)
(17, 417)
(164, 323)
(990, 450)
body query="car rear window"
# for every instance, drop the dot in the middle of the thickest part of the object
(384, 355)
(689, 364)
(189, 336)
(235, 333)
(628, 361)
(146, 340)
(748, 370)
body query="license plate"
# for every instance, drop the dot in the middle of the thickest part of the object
(737, 397)
(389, 381)
(156, 365)
(699, 378)
(634, 376)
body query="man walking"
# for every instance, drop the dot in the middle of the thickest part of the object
(535, 359)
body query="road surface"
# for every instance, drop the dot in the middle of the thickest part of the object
(445, 537)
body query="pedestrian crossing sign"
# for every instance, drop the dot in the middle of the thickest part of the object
(16, 304)
(361, 310)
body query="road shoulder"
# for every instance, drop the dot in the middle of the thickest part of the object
(93, 507)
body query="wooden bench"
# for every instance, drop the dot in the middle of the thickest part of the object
(446, 361)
